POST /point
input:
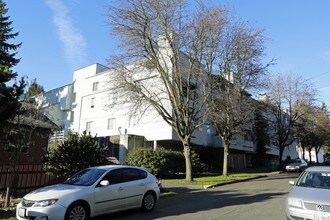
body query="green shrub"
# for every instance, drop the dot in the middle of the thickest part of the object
(162, 162)
(76, 153)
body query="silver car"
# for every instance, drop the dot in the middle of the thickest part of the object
(309, 197)
(91, 192)
(296, 165)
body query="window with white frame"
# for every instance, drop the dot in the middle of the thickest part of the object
(74, 97)
(111, 123)
(132, 121)
(89, 127)
(92, 102)
(95, 86)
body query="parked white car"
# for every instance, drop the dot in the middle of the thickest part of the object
(309, 198)
(91, 192)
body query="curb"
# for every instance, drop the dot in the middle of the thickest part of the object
(230, 182)
(233, 181)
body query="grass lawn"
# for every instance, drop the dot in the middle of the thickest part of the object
(211, 180)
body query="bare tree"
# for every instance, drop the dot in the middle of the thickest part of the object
(289, 96)
(306, 129)
(165, 48)
(240, 71)
(323, 128)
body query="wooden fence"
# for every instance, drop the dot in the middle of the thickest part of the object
(28, 177)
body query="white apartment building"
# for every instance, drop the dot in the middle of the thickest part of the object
(56, 105)
(84, 106)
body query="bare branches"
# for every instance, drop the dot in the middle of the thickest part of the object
(290, 98)
(170, 56)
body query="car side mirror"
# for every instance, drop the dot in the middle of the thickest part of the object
(291, 182)
(105, 183)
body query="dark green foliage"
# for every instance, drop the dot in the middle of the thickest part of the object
(76, 153)
(9, 95)
(212, 157)
(162, 162)
(262, 138)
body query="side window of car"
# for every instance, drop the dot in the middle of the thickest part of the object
(136, 174)
(125, 175)
(142, 174)
(115, 176)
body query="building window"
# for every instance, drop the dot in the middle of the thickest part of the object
(59, 98)
(71, 115)
(247, 135)
(89, 127)
(92, 102)
(132, 121)
(95, 86)
(74, 97)
(111, 123)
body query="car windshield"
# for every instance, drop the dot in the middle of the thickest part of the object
(314, 179)
(85, 177)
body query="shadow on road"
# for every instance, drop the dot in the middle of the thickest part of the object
(189, 201)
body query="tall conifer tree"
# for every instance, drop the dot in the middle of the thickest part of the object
(9, 95)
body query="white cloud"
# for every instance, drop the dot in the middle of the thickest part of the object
(73, 41)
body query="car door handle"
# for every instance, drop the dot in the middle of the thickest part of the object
(141, 184)
(121, 188)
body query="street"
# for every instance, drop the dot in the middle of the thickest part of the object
(262, 198)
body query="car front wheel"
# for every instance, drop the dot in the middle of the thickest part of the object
(77, 211)
(148, 202)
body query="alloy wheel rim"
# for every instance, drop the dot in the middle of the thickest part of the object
(77, 213)
(149, 202)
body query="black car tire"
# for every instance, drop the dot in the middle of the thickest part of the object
(77, 211)
(148, 202)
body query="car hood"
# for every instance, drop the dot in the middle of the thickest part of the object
(295, 164)
(309, 194)
(54, 191)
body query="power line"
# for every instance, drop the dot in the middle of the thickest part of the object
(321, 74)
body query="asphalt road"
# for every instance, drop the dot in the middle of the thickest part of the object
(257, 199)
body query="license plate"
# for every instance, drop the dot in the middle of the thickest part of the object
(21, 212)
(320, 216)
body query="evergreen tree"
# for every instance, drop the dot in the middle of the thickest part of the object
(9, 95)
(33, 90)
(76, 153)
(262, 137)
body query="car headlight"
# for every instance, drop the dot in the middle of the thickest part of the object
(45, 203)
(295, 202)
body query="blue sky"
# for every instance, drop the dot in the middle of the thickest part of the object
(61, 36)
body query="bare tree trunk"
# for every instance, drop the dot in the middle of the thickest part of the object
(280, 162)
(187, 156)
(225, 159)
(303, 155)
(9, 187)
(316, 155)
